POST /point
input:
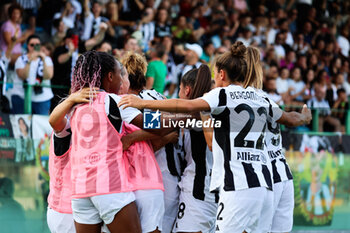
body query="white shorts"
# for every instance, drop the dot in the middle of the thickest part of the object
(150, 205)
(94, 210)
(283, 206)
(59, 222)
(247, 210)
(195, 215)
(171, 200)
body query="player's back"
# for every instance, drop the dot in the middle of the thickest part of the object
(238, 145)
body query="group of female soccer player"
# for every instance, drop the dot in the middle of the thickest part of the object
(107, 174)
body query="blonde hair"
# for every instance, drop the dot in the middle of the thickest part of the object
(134, 62)
(136, 66)
(254, 75)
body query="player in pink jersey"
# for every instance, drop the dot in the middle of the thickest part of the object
(59, 213)
(101, 190)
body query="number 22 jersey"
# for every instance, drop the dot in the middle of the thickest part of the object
(240, 158)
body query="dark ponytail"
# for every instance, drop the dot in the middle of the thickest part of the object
(199, 80)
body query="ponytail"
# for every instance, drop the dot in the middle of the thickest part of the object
(203, 83)
(199, 80)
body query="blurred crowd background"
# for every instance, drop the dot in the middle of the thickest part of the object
(304, 46)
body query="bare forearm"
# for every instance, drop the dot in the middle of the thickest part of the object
(48, 71)
(139, 5)
(142, 135)
(160, 142)
(23, 73)
(63, 58)
(89, 44)
(57, 117)
(292, 119)
(171, 105)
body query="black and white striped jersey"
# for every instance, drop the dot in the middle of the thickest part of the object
(199, 162)
(239, 153)
(169, 157)
(280, 168)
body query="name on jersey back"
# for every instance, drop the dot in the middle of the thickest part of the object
(243, 95)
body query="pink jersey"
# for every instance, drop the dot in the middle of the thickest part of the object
(98, 164)
(60, 182)
(143, 169)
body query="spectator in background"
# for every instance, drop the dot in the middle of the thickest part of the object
(169, 61)
(104, 47)
(342, 107)
(181, 30)
(147, 27)
(156, 69)
(293, 15)
(343, 41)
(271, 91)
(34, 68)
(69, 13)
(11, 31)
(309, 82)
(289, 60)
(283, 26)
(162, 27)
(300, 46)
(130, 45)
(297, 87)
(92, 19)
(278, 46)
(65, 57)
(60, 33)
(208, 52)
(282, 86)
(312, 62)
(192, 54)
(307, 31)
(301, 62)
(321, 104)
(116, 33)
(130, 10)
(246, 36)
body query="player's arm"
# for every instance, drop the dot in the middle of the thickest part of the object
(208, 132)
(142, 135)
(138, 136)
(171, 105)
(57, 118)
(294, 119)
(162, 141)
